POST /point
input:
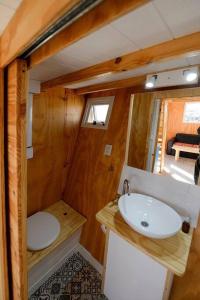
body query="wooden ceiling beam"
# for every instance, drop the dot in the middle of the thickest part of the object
(31, 19)
(99, 16)
(119, 84)
(178, 47)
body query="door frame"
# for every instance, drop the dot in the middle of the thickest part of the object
(4, 290)
(16, 179)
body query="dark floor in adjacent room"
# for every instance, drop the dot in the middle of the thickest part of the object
(76, 279)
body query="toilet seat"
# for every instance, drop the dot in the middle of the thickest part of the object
(43, 230)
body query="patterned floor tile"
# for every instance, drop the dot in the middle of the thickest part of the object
(75, 280)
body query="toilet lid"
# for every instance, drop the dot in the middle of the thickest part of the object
(43, 230)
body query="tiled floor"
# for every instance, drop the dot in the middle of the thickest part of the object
(181, 169)
(75, 280)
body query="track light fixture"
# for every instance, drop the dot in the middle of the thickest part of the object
(190, 75)
(150, 83)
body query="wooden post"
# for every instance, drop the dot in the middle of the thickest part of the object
(177, 153)
(17, 175)
(4, 295)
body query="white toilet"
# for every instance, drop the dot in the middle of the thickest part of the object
(43, 230)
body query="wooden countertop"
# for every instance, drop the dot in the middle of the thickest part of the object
(70, 221)
(172, 252)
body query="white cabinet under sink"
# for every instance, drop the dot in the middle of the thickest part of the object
(132, 275)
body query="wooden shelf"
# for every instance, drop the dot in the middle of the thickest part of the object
(70, 221)
(172, 252)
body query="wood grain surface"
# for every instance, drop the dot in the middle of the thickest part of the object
(70, 221)
(99, 16)
(140, 130)
(4, 292)
(175, 123)
(187, 287)
(56, 120)
(177, 47)
(23, 29)
(17, 179)
(172, 252)
(93, 177)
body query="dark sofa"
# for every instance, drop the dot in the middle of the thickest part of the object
(183, 138)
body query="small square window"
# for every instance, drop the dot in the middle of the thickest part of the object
(191, 112)
(97, 112)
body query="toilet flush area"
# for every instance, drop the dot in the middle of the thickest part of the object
(73, 169)
(53, 227)
(86, 119)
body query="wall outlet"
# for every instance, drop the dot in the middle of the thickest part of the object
(108, 150)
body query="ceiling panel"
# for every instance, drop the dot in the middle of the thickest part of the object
(101, 45)
(181, 16)
(151, 24)
(151, 68)
(50, 69)
(143, 26)
(194, 60)
(7, 10)
(13, 4)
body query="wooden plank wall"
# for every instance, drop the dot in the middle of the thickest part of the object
(4, 294)
(17, 181)
(188, 287)
(56, 120)
(175, 118)
(140, 127)
(93, 177)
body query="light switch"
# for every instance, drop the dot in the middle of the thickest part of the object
(108, 150)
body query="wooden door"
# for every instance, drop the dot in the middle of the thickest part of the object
(4, 295)
(16, 173)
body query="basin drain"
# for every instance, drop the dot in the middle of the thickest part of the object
(144, 224)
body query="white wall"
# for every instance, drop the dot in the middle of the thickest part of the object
(183, 197)
(131, 274)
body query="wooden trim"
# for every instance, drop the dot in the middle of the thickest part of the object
(31, 19)
(104, 13)
(4, 292)
(173, 48)
(119, 84)
(168, 285)
(129, 127)
(17, 176)
(164, 137)
(157, 134)
(105, 258)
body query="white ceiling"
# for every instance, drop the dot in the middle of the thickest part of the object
(7, 10)
(153, 23)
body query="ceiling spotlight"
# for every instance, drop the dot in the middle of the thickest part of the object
(150, 83)
(190, 75)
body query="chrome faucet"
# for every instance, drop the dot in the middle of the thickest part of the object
(126, 189)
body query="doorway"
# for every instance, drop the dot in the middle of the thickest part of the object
(178, 141)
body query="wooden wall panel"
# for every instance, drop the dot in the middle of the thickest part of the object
(93, 177)
(140, 128)
(56, 120)
(4, 294)
(17, 180)
(175, 118)
(188, 287)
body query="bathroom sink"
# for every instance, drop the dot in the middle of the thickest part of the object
(149, 216)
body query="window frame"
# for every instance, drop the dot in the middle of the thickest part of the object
(97, 101)
(184, 112)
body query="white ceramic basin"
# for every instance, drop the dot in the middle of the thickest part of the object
(149, 216)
